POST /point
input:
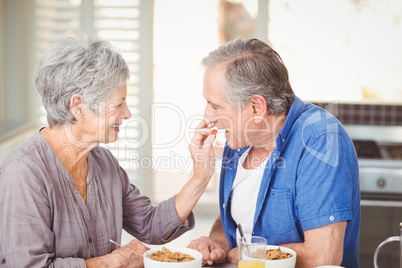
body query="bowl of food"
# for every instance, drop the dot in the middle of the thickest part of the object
(172, 257)
(280, 257)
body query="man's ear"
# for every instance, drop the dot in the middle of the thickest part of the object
(259, 105)
(77, 106)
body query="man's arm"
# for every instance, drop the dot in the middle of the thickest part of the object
(218, 236)
(321, 246)
(214, 247)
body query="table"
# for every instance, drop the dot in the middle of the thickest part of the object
(223, 265)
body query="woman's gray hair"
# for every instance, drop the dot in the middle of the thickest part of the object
(252, 67)
(78, 64)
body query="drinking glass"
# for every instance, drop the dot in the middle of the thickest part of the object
(252, 252)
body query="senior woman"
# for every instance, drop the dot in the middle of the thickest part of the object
(62, 197)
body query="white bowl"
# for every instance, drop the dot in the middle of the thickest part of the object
(197, 263)
(285, 263)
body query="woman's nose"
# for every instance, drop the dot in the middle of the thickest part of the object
(127, 114)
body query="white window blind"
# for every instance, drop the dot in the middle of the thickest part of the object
(127, 24)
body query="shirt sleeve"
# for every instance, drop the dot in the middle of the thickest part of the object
(325, 177)
(26, 236)
(151, 224)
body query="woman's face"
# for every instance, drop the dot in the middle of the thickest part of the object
(106, 126)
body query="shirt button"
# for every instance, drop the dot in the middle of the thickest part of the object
(90, 240)
(331, 218)
(223, 205)
(283, 140)
(238, 150)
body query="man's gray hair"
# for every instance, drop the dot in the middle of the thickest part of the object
(78, 64)
(252, 67)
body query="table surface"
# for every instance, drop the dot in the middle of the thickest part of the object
(223, 265)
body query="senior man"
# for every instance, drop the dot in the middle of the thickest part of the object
(289, 169)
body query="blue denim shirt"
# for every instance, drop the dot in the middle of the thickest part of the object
(311, 180)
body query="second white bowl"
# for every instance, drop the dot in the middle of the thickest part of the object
(285, 263)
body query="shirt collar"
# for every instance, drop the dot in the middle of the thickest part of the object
(237, 154)
(294, 112)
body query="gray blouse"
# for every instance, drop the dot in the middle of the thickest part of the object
(44, 222)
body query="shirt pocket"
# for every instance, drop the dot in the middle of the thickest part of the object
(278, 212)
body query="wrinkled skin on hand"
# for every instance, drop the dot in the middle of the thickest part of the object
(122, 257)
(211, 251)
(202, 151)
(233, 256)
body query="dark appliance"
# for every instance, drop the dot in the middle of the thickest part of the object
(379, 151)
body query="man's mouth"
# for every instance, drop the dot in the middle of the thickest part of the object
(227, 134)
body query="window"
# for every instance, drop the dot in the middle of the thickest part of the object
(342, 50)
(15, 67)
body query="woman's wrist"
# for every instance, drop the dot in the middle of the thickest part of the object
(94, 263)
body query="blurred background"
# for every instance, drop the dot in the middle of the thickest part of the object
(345, 52)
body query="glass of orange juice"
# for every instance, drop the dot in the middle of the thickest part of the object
(252, 251)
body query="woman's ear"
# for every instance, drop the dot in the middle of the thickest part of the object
(259, 105)
(77, 106)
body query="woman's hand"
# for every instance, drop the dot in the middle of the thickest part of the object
(202, 151)
(121, 257)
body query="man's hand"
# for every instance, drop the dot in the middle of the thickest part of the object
(211, 251)
(233, 256)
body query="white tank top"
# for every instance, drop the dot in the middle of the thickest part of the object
(244, 193)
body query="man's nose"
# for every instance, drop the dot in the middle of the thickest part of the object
(208, 114)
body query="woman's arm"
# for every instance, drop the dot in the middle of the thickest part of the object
(173, 217)
(202, 153)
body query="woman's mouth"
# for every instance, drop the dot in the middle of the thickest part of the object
(115, 128)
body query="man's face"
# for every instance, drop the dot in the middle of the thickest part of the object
(220, 112)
